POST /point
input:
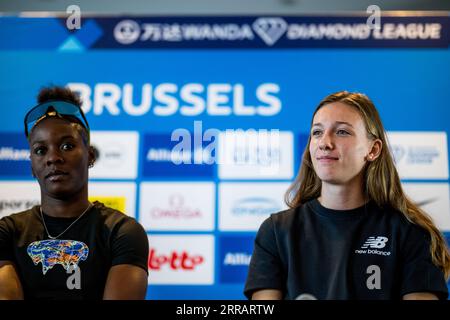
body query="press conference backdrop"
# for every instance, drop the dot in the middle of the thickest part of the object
(200, 122)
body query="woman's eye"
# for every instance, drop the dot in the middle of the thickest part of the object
(316, 132)
(67, 146)
(39, 151)
(342, 132)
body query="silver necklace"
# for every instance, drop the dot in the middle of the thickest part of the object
(79, 217)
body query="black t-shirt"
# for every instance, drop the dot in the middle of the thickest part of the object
(76, 265)
(364, 253)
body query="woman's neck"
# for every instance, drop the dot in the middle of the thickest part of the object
(64, 208)
(342, 197)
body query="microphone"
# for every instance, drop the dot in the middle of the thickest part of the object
(306, 296)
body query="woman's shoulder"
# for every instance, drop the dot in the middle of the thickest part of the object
(109, 212)
(284, 215)
(285, 219)
(390, 213)
(397, 220)
(16, 222)
(292, 213)
(112, 216)
(21, 216)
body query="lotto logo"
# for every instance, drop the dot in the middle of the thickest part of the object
(181, 259)
(174, 260)
(375, 243)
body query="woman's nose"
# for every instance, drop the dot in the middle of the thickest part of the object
(54, 156)
(326, 142)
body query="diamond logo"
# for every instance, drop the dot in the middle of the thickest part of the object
(398, 152)
(270, 29)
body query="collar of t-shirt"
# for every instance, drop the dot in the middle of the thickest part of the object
(355, 213)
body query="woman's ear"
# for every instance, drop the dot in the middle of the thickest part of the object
(92, 157)
(375, 151)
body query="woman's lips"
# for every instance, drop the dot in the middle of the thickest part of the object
(327, 159)
(56, 175)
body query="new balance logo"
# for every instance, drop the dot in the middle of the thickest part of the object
(375, 243)
(270, 29)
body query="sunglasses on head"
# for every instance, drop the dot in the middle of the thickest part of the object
(62, 108)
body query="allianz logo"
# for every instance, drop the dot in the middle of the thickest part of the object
(177, 157)
(12, 154)
(163, 155)
(255, 206)
(237, 259)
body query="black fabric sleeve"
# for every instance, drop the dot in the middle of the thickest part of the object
(419, 273)
(265, 270)
(6, 239)
(130, 245)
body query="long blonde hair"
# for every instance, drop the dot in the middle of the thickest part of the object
(382, 180)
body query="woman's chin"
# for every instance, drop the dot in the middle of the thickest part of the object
(331, 179)
(60, 192)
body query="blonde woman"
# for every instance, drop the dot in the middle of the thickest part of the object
(350, 232)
